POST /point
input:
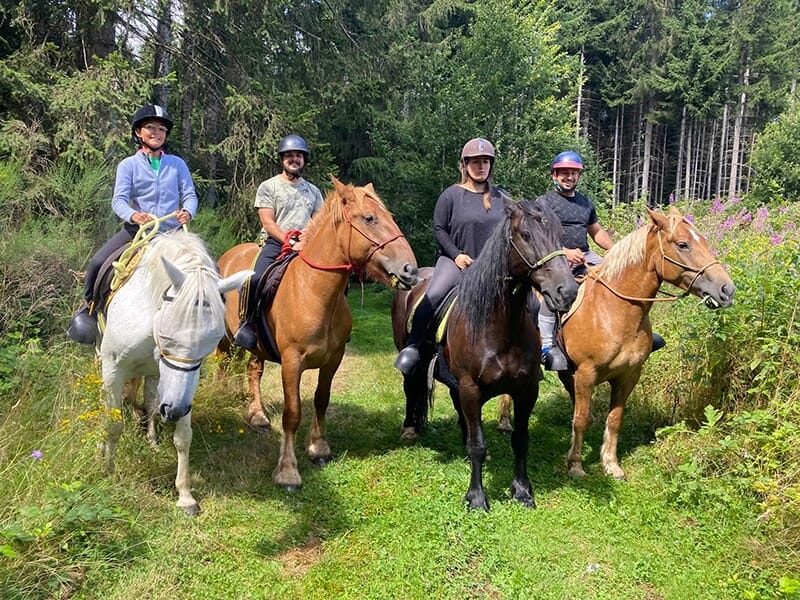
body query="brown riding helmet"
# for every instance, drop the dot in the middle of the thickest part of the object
(477, 147)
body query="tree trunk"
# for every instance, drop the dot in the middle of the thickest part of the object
(723, 148)
(733, 182)
(681, 139)
(615, 164)
(688, 174)
(648, 139)
(162, 54)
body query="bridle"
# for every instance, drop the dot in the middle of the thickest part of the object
(352, 266)
(664, 258)
(170, 359)
(539, 263)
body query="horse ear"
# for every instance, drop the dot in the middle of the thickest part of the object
(175, 274)
(371, 189)
(233, 282)
(657, 220)
(340, 188)
(674, 212)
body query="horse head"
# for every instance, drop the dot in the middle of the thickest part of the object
(186, 328)
(375, 244)
(536, 240)
(684, 260)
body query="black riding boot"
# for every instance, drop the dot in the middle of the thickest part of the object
(83, 326)
(246, 336)
(408, 358)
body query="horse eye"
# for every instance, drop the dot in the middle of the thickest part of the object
(683, 246)
(526, 236)
(370, 219)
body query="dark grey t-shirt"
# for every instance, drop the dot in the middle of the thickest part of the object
(461, 224)
(576, 215)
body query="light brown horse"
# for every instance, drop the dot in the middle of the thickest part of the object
(310, 318)
(608, 337)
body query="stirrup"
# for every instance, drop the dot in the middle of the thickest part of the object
(658, 342)
(407, 360)
(246, 337)
(83, 327)
(553, 359)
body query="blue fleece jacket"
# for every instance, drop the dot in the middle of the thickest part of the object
(138, 188)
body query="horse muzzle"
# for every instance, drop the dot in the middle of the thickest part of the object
(406, 279)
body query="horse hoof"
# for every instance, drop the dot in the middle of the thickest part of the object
(577, 472)
(408, 434)
(260, 423)
(192, 510)
(617, 473)
(290, 488)
(321, 461)
(504, 428)
(476, 501)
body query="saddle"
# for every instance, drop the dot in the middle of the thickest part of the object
(116, 273)
(440, 315)
(267, 288)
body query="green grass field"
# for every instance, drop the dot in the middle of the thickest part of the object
(384, 520)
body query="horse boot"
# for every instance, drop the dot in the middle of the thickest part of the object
(83, 326)
(658, 342)
(246, 335)
(408, 358)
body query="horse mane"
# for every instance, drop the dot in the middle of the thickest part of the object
(334, 210)
(188, 253)
(484, 283)
(631, 249)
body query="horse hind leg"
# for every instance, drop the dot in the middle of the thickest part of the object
(504, 425)
(417, 393)
(256, 417)
(182, 438)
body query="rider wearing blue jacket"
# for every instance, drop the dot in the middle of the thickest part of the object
(150, 182)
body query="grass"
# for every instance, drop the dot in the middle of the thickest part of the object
(382, 520)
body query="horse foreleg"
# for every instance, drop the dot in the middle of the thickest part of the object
(182, 438)
(152, 417)
(504, 414)
(318, 449)
(470, 408)
(620, 390)
(286, 474)
(524, 400)
(114, 390)
(581, 402)
(256, 417)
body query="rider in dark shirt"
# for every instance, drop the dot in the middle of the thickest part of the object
(465, 215)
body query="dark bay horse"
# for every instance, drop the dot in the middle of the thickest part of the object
(310, 318)
(608, 337)
(492, 344)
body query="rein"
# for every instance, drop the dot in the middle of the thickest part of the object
(351, 266)
(670, 298)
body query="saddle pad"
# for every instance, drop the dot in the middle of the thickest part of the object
(267, 288)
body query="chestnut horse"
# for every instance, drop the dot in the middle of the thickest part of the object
(608, 337)
(492, 345)
(310, 318)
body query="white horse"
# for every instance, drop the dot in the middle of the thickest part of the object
(160, 325)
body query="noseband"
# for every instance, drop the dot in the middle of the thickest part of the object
(539, 263)
(170, 359)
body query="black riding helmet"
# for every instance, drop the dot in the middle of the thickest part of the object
(149, 112)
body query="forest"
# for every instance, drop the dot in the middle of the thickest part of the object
(666, 99)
